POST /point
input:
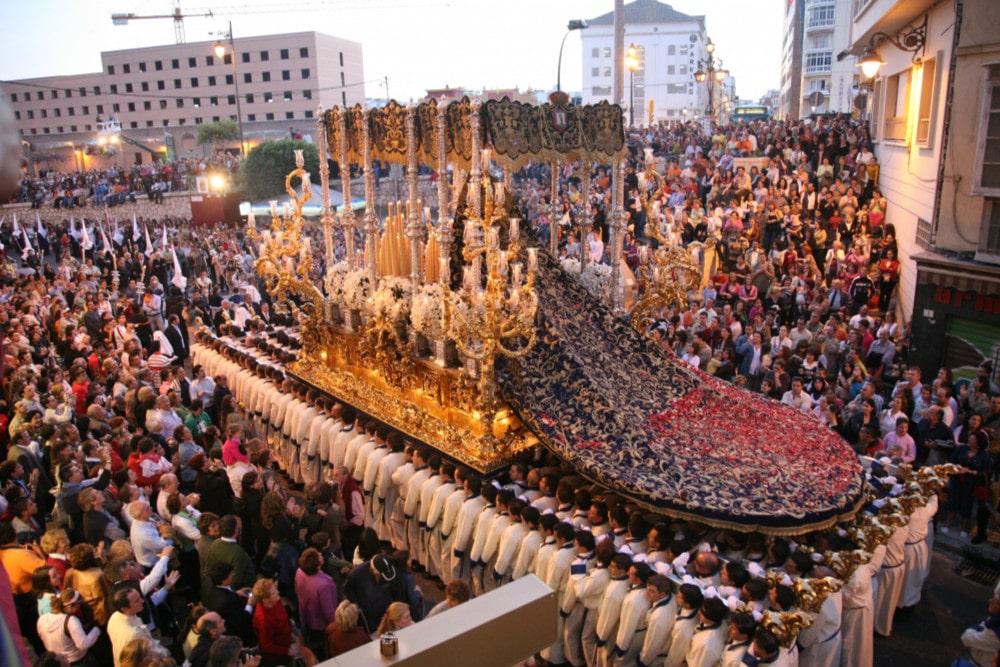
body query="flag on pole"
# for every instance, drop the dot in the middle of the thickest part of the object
(149, 243)
(135, 228)
(163, 245)
(179, 281)
(72, 228)
(86, 242)
(40, 228)
(117, 235)
(17, 228)
(27, 244)
(104, 239)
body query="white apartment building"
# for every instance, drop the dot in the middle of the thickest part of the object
(669, 47)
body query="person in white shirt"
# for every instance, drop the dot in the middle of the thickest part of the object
(689, 599)
(609, 611)
(61, 630)
(708, 642)
(632, 620)
(146, 539)
(125, 626)
(796, 397)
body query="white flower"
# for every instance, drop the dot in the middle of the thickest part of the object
(391, 299)
(427, 309)
(357, 289)
(595, 277)
(334, 281)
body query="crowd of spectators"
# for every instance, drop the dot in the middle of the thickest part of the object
(126, 461)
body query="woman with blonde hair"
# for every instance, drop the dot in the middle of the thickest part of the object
(344, 634)
(396, 617)
(272, 627)
(62, 631)
(134, 653)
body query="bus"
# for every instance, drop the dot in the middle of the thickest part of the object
(751, 112)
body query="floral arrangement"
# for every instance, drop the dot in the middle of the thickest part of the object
(391, 299)
(595, 277)
(357, 289)
(334, 281)
(427, 310)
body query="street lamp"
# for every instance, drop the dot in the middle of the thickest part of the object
(632, 62)
(576, 24)
(220, 52)
(710, 69)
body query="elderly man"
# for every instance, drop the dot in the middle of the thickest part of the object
(146, 537)
(209, 627)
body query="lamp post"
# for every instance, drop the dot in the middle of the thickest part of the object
(710, 69)
(632, 62)
(220, 52)
(575, 24)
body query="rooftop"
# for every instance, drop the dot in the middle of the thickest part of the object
(646, 11)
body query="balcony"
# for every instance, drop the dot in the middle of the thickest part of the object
(888, 16)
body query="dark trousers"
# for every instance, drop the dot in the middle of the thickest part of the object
(349, 538)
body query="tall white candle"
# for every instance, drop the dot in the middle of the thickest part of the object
(532, 259)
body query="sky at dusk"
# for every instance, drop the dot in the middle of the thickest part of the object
(417, 44)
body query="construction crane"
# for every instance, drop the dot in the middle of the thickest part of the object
(122, 18)
(178, 17)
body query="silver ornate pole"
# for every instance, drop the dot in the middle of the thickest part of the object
(554, 211)
(445, 221)
(346, 211)
(585, 217)
(617, 239)
(326, 217)
(414, 230)
(474, 197)
(371, 216)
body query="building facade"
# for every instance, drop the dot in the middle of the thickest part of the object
(160, 94)
(669, 47)
(935, 114)
(791, 61)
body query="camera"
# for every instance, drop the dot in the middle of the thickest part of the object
(248, 653)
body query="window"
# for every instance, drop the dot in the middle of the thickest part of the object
(198, 120)
(251, 117)
(989, 234)
(269, 116)
(128, 87)
(149, 123)
(341, 58)
(595, 52)
(307, 94)
(192, 62)
(131, 106)
(179, 103)
(27, 97)
(31, 114)
(211, 80)
(70, 111)
(85, 110)
(249, 98)
(683, 70)
(57, 112)
(100, 108)
(182, 121)
(126, 69)
(213, 101)
(305, 72)
(987, 167)
(595, 71)
(41, 93)
(97, 90)
(87, 128)
(671, 49)
(265, 76)
(114, 90)
(68, 92)
(82, 91)
(111, 70)
(303, 52)
(229, 79)
(215, 119)
(248, 77)
(684, 49)
(309, 114)
(821, 17)
(116, 108)
(194, 82)
(72, 128)
(55, 94)
(17, 115)
(230, 100)
(177, 83)
(142, 67)
(286, 75)
(246, 56)
(268, 98)
(607, 52)
(928, 92)
(897, 99)
(165, 122)
(196, 101)
(144, 86)
(209, 60)
(819, 42)
(161, 85)
(598, 91)
(158, 65)
(289, 115)
(671, 70)
(676, 88)
(163, 104)
(147, 106)
(287, 96)
(819, 62)
(59, 129)
(264, 56)
(175, 63)
(284, 54)
(227, 59)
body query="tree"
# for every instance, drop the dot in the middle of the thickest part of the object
(219, 132)
(262, 173)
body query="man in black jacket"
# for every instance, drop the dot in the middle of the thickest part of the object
(233, 606)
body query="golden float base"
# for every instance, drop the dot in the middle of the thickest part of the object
(423, 400)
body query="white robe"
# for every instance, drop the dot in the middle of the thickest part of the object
(890, 581)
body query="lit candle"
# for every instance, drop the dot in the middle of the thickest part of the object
(427, 213)
(515, 298)
(443, 268)
(532, 259)
(515, 228)
(467, 277)
(261, 250)
(288, 209)
(494, 238)
(468, 232)
(251, 221)
(502, 266)
(517, 274)
(499, 190)
(274, 208)
(486, 158)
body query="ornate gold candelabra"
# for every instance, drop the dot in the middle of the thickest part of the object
(668, 277)
(492, 314)
(284, 253)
